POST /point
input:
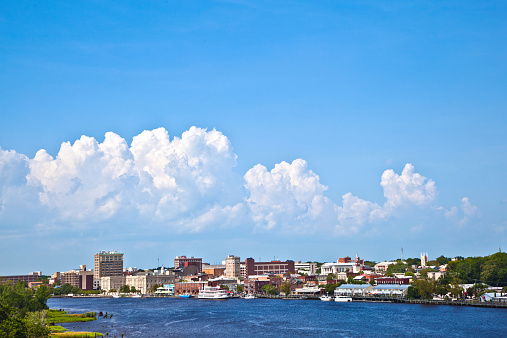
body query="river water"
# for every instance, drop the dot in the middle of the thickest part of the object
(177, 317)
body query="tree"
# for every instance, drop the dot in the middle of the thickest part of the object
(330, 276)
(239, 288)
(125, 289)
(425, 287)
(442, 260)
(225, 287)
(133, 289)
(154, 287)
(397, 268)
(285, 288)
(413, 293)
(270, 290)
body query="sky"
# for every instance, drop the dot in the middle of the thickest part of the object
(290, 130)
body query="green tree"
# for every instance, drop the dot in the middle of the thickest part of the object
(36, 324)
(413, 293)
(125, 289)
(154, 287)
(239, 288)
(330, 276)
(442, 260)
(133, 289)
(270, 290)
(285, 288)
(397, 268)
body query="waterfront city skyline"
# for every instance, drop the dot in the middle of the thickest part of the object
(294, 131)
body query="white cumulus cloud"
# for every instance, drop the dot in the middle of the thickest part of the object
(290, 196)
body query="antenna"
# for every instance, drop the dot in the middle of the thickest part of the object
(158, 261)
(402, 253)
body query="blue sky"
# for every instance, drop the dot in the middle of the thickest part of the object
(331, 98)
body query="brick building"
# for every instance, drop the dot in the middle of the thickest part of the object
(253, 268)
(184, 261)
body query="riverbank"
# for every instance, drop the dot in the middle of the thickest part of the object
(60, 317)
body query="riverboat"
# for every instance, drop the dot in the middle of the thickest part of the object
(326, 298)
(342, 299)
(213, 292)
(250, 296)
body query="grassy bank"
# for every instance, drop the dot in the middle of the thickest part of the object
(56, 316)
(77, 334)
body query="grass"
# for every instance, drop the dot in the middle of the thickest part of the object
(57, 328)
(77, 334)
(55, 316)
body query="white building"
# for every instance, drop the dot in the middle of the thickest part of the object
(335, 268)
(232, 267)
(308, 268)
(383, 266)
(390, 290)
(353, 290)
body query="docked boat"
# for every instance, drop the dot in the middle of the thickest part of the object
(250, 296)
(326, 298)
(136, 296)
(116, 296)
(185, 296)
(342, 299)
(213, 292)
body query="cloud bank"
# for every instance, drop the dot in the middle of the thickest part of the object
(189, 184)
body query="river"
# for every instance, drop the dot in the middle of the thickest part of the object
(176, 317)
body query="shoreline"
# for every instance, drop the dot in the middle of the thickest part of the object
(354, 299)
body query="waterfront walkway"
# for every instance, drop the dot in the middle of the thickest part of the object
(388, 299)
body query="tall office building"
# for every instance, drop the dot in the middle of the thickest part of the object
(232, 267)
(108, 264)
(184, 261)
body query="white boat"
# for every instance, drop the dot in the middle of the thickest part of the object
(250, 296)
(213, 292)
(116, 296)
(342, 299)
(326, 298)
(136, 296)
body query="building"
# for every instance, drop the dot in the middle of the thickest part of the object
(112, 283)
(344, 264)
(393, 280)
(308, 268)
(254, 285)
(165, 290)
(189, 288)
(353, 290)
(383, 266)
(253, 268)
(424, 259)
(184, 261)
(390, 290)
(31, 277)
(213, 270)
(144, 282)
(232, 267)
(108, 264)
(81, 278)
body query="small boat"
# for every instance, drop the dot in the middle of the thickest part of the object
(185, 296)
(250, 296)
(116, 296)
(136, 296)
(326, 298)
(213, 292)
(342, 299)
